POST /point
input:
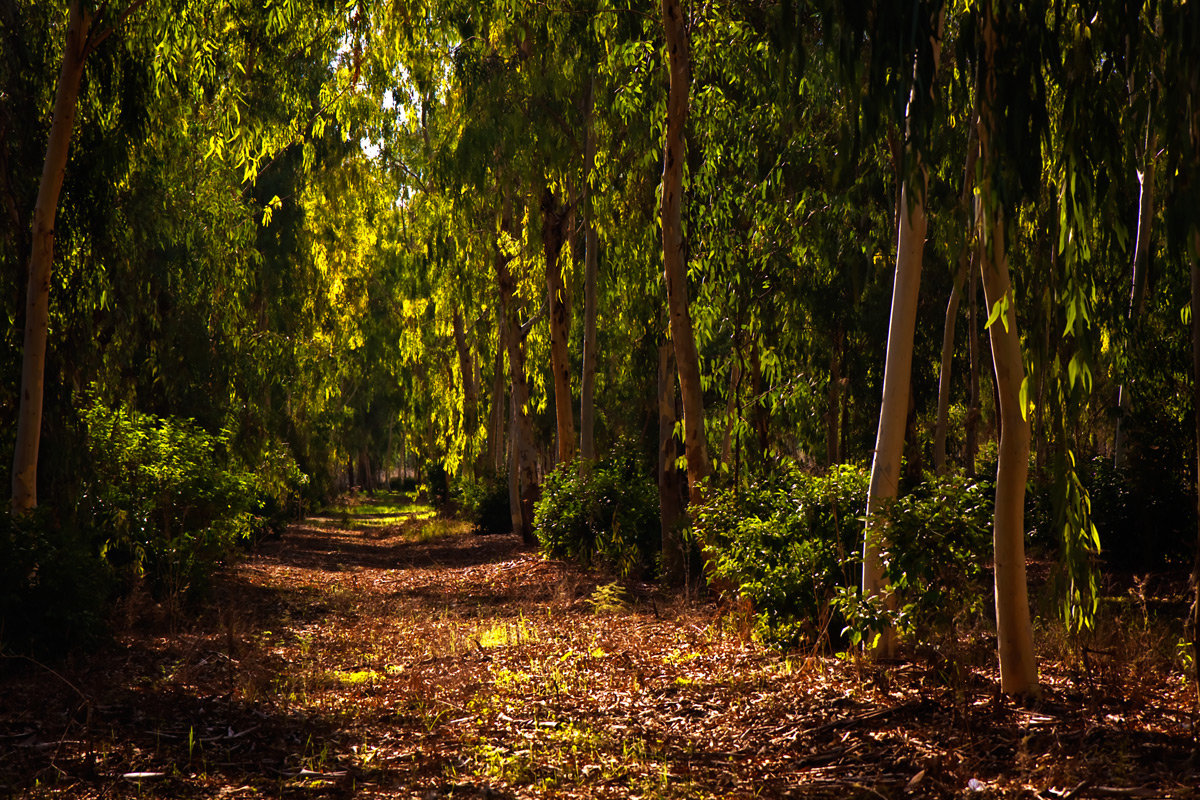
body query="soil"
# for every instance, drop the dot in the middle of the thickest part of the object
(417, 660)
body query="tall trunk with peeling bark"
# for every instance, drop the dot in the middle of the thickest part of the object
(555, 218)
(41, 260)
(897, 372)
(1014, 629)
(674, 270)
(591, 268)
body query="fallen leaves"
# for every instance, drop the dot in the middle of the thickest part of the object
(379, 660)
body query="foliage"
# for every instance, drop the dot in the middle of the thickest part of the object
(168, 499)
(787, 541)
(938, 536)
(606, 512)
(484, 503)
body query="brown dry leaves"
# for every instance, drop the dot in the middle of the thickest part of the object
(372, 660)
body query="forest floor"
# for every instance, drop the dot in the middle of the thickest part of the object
(381, 652)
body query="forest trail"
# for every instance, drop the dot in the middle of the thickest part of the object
(382, 652)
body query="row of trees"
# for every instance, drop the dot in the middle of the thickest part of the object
(490, 236)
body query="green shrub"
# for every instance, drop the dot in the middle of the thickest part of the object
(791, 544)
(787, 542)
(939, 546)
(605, 512)
(170, 500)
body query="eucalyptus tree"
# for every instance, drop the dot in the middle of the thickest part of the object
(171, 43)
(918, 54)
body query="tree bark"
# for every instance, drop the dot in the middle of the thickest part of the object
(496, 410)
(554, 228)
(897, 378)
(669, 487)
(41, 260)
(522, 478)
(591, 268)
(1014, 630)
(466, 367)
(674, 270)
(964, 268)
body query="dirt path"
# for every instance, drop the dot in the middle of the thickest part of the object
(359, 659)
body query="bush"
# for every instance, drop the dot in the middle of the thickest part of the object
(485, 504)
(791, 543)
(787, 542)
(54, 586)
(605, 512)
(939, 546)
(169, 500)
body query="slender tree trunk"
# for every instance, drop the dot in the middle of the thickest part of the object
(466, 367)
(893, 414)
(591, 268)
(964, 268)
(41, 260)
(1137, 292)
(762, 412)
(496, 410)
(897, 375)
(971, 428)
(554, 229)
(522, 478)
(1014, 629)
(669, 486)
(674, 270)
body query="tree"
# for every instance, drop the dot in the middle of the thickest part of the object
(674, 270)
(1018, 668)
(893, 413)
(81, 40)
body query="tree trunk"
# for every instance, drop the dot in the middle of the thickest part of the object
(496, 411)
(466, 367)
(897, 375)
(971, 427)
(554, 227)
(1014, 630)
(893, 414)
(1137, 292)
(591, 268)
(669, 487)
(41, 260)
(522, 479)
(964, 268)
(674, 269)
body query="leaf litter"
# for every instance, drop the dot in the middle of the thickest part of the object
(352, 659)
